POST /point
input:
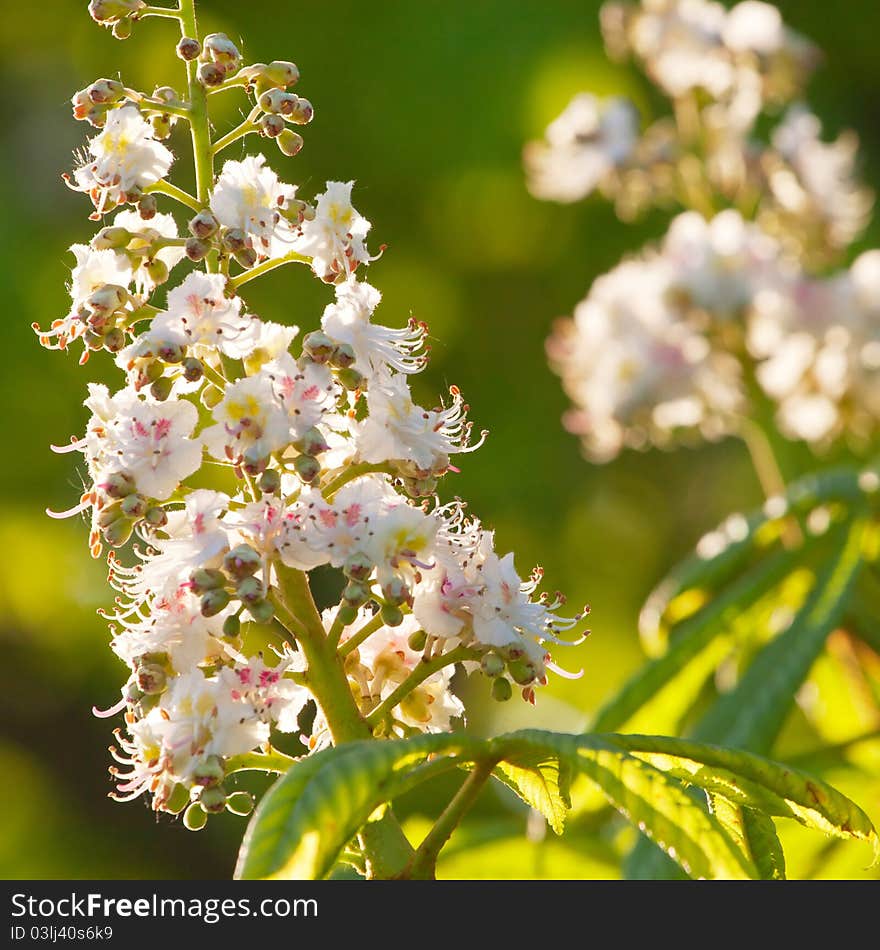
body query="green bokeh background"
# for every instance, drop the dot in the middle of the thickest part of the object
(427, 105)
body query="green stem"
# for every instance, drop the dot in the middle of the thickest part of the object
(273, 761)
(353, 642)
(351, 473)
(266, 266)
(172, 191)
(422, 867)
(239, 132)
(425, 669)
(167, 12)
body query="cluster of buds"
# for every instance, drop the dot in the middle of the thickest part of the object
(117, 15)
(239, 455)
(680, 341)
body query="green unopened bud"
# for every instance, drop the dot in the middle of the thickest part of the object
(166, 94)
(358, 567)
(254, 462)
(262, 611)
(250, 590)
(343, 356)
(312, 442)
(203, 225)
(233, 239)
(319, 346)
(522, 671)
(112, 237)
(121, 29)
(501, 689)
(492, 664)
(132, 693)
(242, 561)
(177, 800)
(147, 207)
(195, 817)
(246, 257)
(170, 352)
(157, 270)
(106, 299)
(207, 578)
(298, 110)
(195, 249)
(272, 100)
(209, 772)
(108, 11)
(151, 679)
(222, 50)
(213, 602)
(271, 125)
(307, 468)
(281, 73)
(417, 641)
(396, 592)
(391, 616)
(134, 505)
(211, 74)
(232, 627)
(270, 482)
(117, 533)
(105, 90)
(356, 594)
(114, 339)
(193, 370)
(290, 142)
(163, 125)
(153, 370)
(213, 799)
(108, 514)
(161, 388)
(117, 485)
(346, 614)
(189, 49)
(350, 378)
(240, 803)
(156, 517)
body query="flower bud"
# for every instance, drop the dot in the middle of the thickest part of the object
(177, 800)
(242, 561)
(312, 442)
(343, 356)
(289, 142)
(189, 49)
(203, 225)
(501, 689)
(104, 91)
(262, 611)
(319, 346)
(281, 73)
(351, 379)
(210, 772)
(117, 533)
(240, 803)
(195, 818)
(193, 369)
(356, 594)
(213, 602)
(108, 11)
(357, 566)
(157, 270)
(151, 679)
(112, 237)
(253, 461)
(213, 799)
(106, 300)
(272, 99)
(233, 239)
(170, 352)
(153, 370)
(147, 207)
(207, 578)
(108, 514)
(391, 616)
(298, 110)
(231, 627)
(222, 50)
(246, 257)
(160, 390)
(156, 517)
(134, 505)
(270, 482)
(121, 29)
(114, 339)
(271, 126)
(492, 664)
(521, 671)
(396, 592)
(307, 468)
(417, 640)
(346, 614)
(195, 249)
(117, 485)
(211, 74)
(162, 124)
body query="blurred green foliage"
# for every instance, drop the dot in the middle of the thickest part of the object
(427, 105)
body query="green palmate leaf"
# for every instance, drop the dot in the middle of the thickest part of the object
(756, 835)
(310, 815)
(542, 780)
(752, 714)
(693, 638)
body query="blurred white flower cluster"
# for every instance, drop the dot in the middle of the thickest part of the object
(238, 453)
(736, 304)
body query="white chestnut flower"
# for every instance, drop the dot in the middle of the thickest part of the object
(335, 238)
